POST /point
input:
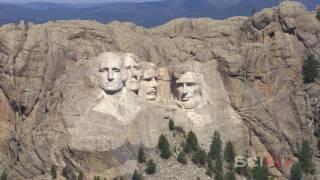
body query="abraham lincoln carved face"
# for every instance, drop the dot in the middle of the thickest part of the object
(188, 85)
(188, 90)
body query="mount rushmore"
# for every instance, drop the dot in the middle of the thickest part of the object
(85, 95)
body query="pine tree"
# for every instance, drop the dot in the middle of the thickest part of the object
(216, 146)
(200, 157)
(243, 171)
(218, 169)
(136, 175)
(305, 157)
(53, 172)
(166, 152)
(230, 175)
(74, 176)
(229, 153)
(182, 158)
(186, 147)
(81, 176)
(318, 15)
(65, 172)
(191, 143)
(210, 169)
(260, 172)
(4, 176)
(151, 167)
(164, 147)
(310, 69)
(296, 172)
(141, 156)
(171, 125)
(162, 141)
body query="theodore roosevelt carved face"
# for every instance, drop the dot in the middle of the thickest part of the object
(131, 64)
(111, 72)
(149, 82)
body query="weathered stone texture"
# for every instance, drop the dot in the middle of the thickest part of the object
(253, 91)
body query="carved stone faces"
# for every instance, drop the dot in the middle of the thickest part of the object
(149, 82)
(188, 90)
(111, 72)
(134, 72)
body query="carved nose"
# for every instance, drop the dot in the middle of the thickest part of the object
(134, 75)
(110, 76)
(184, 88)
(154, 83)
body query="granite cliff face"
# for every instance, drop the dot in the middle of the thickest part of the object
(247, 72)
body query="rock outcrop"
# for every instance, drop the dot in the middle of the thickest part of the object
(246, 74)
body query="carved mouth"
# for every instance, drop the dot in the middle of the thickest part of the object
(186, 98)
(152, 92)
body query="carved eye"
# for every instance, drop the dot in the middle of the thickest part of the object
(136, 67)
(115, 70)
(103, 70)
(191, 84)
(179, 85)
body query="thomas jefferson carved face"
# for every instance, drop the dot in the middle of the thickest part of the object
(149, 82)
(111, 72)
(188, 90)
(134, 72)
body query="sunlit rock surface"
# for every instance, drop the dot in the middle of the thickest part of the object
(245, 76)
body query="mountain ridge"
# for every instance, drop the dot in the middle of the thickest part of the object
(147, 14)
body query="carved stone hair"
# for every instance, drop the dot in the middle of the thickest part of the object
(132, 56)
(188, 66)
(148, 65)
(111, 55)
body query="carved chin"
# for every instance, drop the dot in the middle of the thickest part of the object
(133, 86)
(191, 104)
(111, 87)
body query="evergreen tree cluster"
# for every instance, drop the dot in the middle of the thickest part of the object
(182, 158)
(318, 15)
(53, 172)
(151, 167)
(4, 175)
(136, 175)
(171, 125)
(164, 147)
(191, 144)
(310, 69)
(305, 164)
(141, 156)
(260, 172)
(216, 146)
(296, 172)
(305, 157)
(199, 157)
(68, 174)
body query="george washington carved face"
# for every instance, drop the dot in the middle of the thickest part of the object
(111, 72)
